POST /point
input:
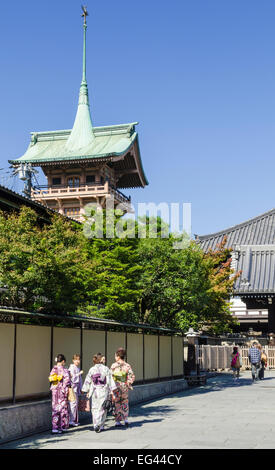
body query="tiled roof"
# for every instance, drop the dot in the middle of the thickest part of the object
(257, 263)
(253, 252)
(259, 230)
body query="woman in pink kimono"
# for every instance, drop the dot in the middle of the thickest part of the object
(60, 382)
(76, 382)
(123, 377)
(99, 384)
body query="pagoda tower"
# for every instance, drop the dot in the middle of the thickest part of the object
(85, 164)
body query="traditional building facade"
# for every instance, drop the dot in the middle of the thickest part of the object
(85, 164)
(253, 253)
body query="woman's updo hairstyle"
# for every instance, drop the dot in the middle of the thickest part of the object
(60, 358)
(97, 358)
(121, 353)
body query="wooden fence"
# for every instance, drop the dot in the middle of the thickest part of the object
(29, 342)
(219, 357)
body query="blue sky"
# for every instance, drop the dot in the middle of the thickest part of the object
(198, 75)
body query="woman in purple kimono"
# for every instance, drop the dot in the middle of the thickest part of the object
(76, 381)
(60, 382)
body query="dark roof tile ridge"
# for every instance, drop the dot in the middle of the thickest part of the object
(235, 227)
(35, 203)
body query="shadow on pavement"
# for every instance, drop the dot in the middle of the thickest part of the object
(214, 384)
(32, 443)
(134, 424)
(46, 438)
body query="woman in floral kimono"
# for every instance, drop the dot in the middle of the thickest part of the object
(123, 377)
(99, 384)
(60, 382)
(76, 381)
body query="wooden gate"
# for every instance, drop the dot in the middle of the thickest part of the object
(219, 357)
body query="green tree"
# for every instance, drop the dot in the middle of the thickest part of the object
(113, 287)
(42, 267)
(174, 283)
(185, 287)
(156, 280)
(217, 315)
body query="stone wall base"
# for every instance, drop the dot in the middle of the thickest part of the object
(142, 393)
(27, 418)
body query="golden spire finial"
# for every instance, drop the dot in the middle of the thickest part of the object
(85, 13)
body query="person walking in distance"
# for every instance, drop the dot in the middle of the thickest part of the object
(263, 362)
(254, 356)
(236, 363)
(123, 377)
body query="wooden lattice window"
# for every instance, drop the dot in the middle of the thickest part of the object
(73, 181)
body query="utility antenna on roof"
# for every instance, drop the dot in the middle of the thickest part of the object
(25, 172)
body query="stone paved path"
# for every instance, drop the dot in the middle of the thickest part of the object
(223, 414)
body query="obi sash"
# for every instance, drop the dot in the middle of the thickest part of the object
(120, 376)
(97, 379)
(55, 379)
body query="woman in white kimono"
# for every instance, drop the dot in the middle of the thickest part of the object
(76, 382)
(99, 384)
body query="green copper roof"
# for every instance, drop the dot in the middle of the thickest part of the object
(54, 145)
(84, 141)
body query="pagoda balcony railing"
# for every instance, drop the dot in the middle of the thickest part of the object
(119, 195)
(82, 189)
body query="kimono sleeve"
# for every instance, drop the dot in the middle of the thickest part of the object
(113, 366)
(110, 381)
(87, 382)
(67, 378)
(130, 375)
(74, 375)
(53, 371)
